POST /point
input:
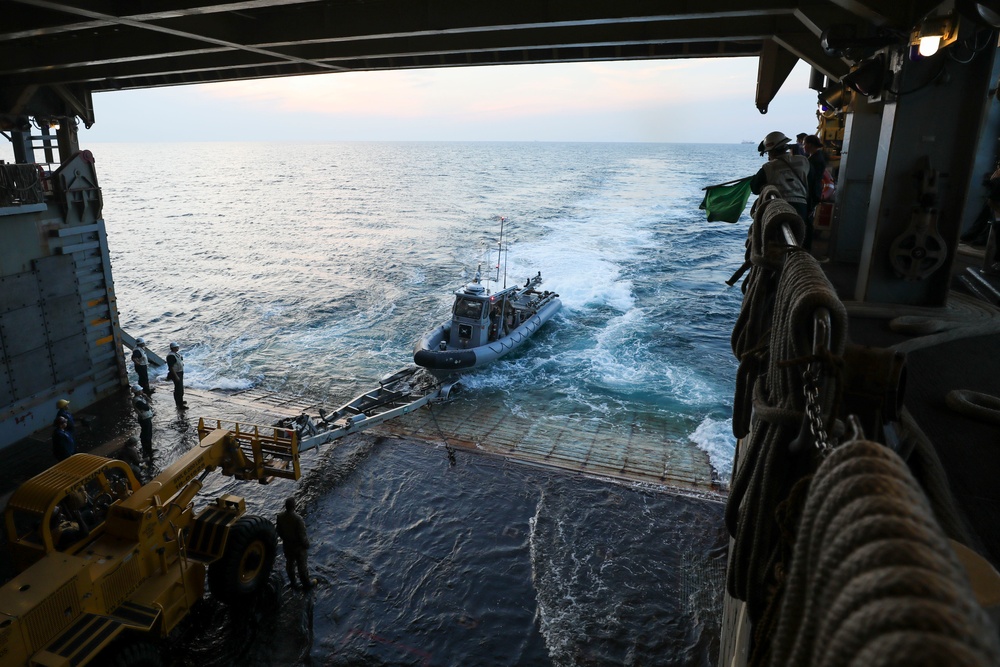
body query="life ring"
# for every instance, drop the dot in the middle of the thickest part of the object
(975, 404)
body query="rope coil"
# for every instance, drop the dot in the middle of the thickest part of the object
(872, 572)
(767, 471)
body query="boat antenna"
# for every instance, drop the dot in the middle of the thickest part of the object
(506, 255)
(500, 252)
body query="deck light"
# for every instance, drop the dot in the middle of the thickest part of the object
(934, 33)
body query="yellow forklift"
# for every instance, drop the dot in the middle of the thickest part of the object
(107, 566)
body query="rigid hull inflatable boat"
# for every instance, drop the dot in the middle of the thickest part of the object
(485, 327)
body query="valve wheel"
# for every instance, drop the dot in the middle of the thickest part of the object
(916, 255)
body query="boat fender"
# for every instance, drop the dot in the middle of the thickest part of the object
(975, 404)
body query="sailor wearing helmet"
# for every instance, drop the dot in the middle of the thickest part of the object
(144, 414)
(789, 173)
(175, 373)
(141, 363)
(62, 410)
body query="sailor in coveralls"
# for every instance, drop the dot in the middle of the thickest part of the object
(62, 410)
(295, 543)
(144, 413)
(141, 363)
(63, 444)
(175, 373)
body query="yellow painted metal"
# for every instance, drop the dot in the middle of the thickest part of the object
(137, 573)
(28, 517)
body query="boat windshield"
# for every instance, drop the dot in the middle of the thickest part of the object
(469, 308)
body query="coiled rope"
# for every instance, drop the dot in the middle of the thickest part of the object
(873, 579)
(985, 407)
(765, 250)
(767, 469)
(847, 564)
(20, 184)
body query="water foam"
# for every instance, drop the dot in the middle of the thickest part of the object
(715, 436)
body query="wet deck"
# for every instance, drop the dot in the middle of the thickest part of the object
(646, 450)
(642, 451)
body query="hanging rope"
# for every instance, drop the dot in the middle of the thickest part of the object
(925, 465)
(20, 184)
(767, 469)
(873, 580)
(766, 246)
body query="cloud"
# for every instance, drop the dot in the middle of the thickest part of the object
(692, 100)
(518, 90)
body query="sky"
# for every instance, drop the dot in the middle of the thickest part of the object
(693, 100)
(690, 100)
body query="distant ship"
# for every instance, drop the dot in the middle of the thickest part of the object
(748, 141)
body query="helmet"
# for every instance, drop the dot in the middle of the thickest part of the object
(62, 403)
(175, 346)
(136, 389)
(772, 141)
(132, 441)
(140, 341)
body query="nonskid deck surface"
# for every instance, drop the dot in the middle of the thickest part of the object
(281, 405)
(646, 451)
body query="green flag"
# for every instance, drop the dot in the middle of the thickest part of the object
(726, 202)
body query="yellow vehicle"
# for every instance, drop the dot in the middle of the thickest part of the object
(106, 565)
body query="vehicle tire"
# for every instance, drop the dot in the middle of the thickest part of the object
(137, 654)
(247, 561)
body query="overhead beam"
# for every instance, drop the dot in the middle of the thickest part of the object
(776, 63)
(163, 29)
(110, 48)
(95, 45)
(512, 57)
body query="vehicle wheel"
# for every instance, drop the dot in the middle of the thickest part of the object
(247, 561)
(137, 654)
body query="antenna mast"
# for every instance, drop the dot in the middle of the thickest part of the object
(500, 253)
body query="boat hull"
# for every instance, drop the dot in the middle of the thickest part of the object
(457, 360)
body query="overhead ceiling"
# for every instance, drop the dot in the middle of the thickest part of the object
(55, 53)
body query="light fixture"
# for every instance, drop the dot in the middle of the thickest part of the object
(868, 78)
(847, 40)
(833, 96)
(934, 33)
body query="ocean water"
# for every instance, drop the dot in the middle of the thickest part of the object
(311, 269)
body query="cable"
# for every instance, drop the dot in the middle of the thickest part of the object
(447, 446)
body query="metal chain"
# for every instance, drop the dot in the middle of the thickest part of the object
(814, 412)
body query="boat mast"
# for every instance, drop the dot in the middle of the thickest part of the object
(500, 253)
(506, 255)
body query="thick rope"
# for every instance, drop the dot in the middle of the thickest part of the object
(765, 249)
(984, 407)
(768, 469)
(873, 579)
(925, 465)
